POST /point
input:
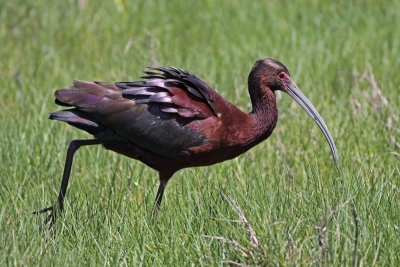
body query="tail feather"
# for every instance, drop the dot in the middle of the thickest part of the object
(77, 118)
(80, 98)
(85, 95)
(87, 101)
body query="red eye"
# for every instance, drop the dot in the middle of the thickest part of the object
(281, 75)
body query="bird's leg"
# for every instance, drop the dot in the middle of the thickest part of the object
(157, 202)
(73, 147)
(160, 193)
(164, 177)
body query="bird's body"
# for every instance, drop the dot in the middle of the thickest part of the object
(172, 119)
(163, 123)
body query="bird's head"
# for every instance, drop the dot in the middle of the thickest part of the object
(270, 74)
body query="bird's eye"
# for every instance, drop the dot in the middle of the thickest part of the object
(281, 75)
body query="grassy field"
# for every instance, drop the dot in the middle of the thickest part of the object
(343, 54)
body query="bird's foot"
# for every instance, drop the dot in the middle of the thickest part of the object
(51, 218)
(154, 212)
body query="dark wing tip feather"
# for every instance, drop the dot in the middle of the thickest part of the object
(111, 86)
(122, 85)
(62, 97)
(58, 102)
(160, 79)
(78, 83)
(195, 86)
(77, 119)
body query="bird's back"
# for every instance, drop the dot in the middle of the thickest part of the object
(161, 114)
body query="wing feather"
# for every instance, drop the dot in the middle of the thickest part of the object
(155, 114)
(187, 94)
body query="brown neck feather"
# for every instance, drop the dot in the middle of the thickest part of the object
(264, 114)
(248, 130)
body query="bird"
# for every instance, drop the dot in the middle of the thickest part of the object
(171, 120)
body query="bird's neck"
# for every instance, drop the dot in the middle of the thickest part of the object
(244, 131)
(264, 114)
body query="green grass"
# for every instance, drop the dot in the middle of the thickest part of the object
(343, 54)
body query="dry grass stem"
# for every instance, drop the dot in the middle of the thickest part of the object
(244, 220)
(231, 242)
(323, 242)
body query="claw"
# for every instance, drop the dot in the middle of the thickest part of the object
(51, 218)
(43, 210)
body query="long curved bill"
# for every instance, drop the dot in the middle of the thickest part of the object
(293, 90)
